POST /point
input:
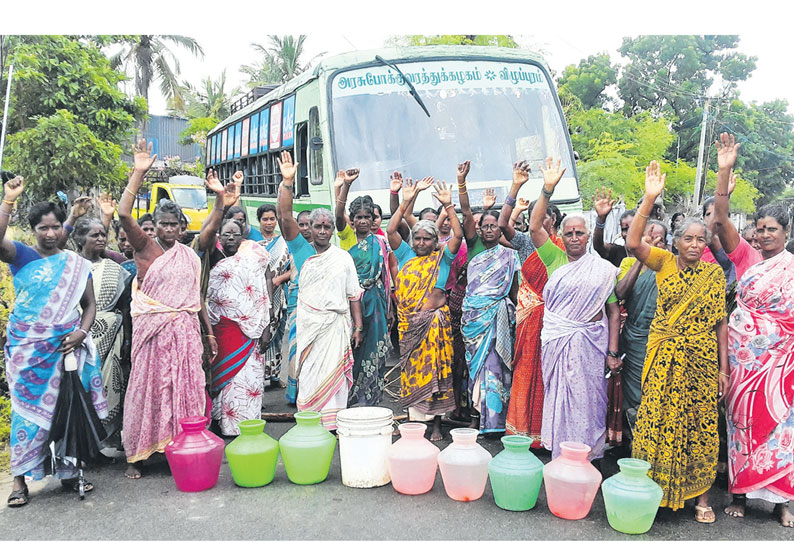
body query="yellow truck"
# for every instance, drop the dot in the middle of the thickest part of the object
(186, 191)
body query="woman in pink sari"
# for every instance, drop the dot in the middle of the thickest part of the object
(167, 380)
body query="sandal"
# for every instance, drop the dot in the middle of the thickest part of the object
(74, 485)
(704, 514)
(20, 495)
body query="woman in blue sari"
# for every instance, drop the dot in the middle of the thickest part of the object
(45, 324)
(488, 326)
(371, 259)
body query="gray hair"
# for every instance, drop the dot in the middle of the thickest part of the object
(679, 231)
(654, 222)
(427, 225)
(167, 207)
(82, 227)
(575, 216)
(321, 212)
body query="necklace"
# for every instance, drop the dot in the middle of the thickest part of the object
(157, 240)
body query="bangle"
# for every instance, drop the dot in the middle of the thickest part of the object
(646, 217)
(208, 336)
(11, 203)
(723, 194)
(342, 201)
(358, 328)
(723, 374)
(287, 186)
(449, 205)
(84, 331)
(127, 189)
(394, 192)
(600, 225)
(510, 201)
(547, 193)
(460, 193)
(612, 354)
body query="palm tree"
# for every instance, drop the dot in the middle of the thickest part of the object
(281, 60)
(151, 58)
(210, 99)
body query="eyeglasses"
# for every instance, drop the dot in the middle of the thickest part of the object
(231, 235)
(489, 227)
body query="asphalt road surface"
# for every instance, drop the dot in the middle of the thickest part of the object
(152, 508)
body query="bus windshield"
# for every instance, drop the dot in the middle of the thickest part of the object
(490, 112)
(190, 198)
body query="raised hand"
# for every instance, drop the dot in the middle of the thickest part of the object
(231, 195)
(288, 169)
(396, 181)
(213, 182)
(106, 204)
(603, 202)
(409, 189)
(551, 174)
(443, 193)
(522, 205)
(142, 156)
(339, 180)
(81, 206)
(351, 175)
(488, 199)
(238, 178)
(521, 172)
(13, 188)
(654, 180)
(424, 184)
(727, 151)
(463, 171)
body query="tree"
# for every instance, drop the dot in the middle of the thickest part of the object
(150, 58)
(589, 80)
(669, 75)
(210, 99)
(281, 60)
(67, 119)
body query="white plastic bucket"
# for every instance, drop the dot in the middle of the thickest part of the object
(364, 439)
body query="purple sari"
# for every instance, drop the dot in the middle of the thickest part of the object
(573, 353)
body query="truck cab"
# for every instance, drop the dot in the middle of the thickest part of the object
(186, 191)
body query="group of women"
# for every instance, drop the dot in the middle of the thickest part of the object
(522, 330)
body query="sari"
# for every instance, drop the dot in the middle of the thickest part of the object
(48, 293)
(456, 292)
(110, 281)
(425, 342)
(166, 382)
(369, 367)
(640, 304)
(525, 411)
(487, 324)
(239, 311)
(328, 282)
(573, 352)
(760, 400)
(292, 338)
(279, 261)
(676, 429)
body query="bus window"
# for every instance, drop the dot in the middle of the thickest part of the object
(301, 148)
(315, 151)
(273, 175)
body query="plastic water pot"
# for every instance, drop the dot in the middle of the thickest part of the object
(194, 455)
(631, 498)
(515, 474)
(464, 466)
(571, 482)
(412, 460)
(253, 455)
(364, 440)
(307, 449)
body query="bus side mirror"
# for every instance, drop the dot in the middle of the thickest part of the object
(316, 143)
(575, 156)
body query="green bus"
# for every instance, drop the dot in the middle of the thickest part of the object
(416, 110)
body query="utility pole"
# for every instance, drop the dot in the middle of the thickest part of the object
(701, 151)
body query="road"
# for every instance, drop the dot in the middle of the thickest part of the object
(152, 508)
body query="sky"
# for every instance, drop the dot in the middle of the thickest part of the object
(565, 32)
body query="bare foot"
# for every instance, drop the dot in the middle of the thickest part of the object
(436, 435)
(132, 472)
(736, 508)
(784, 514)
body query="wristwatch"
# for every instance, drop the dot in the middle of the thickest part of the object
(612, 354)
(358, 328)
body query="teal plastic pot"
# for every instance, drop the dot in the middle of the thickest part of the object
(515, 474)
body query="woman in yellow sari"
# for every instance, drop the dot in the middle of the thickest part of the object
(686, 365)
(424, 324)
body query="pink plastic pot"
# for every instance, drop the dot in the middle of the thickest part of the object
(464, 466)
(412, 460)
(195, 455)
(571, 482)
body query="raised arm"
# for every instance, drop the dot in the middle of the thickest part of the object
(444, 196)
(347, 176)
(395, 185)
(410, 191)
(107, 206)
(654, 184)
(551, 177)
(521, 206)
(727, 152)
(520, 177)
(469, 227)
(80, 206)
(287, 223)
(210, 226)
(408, 213)
(11, 191)
(142, 161)
(602, 203)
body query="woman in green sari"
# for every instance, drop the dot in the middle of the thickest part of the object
(371, 259)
